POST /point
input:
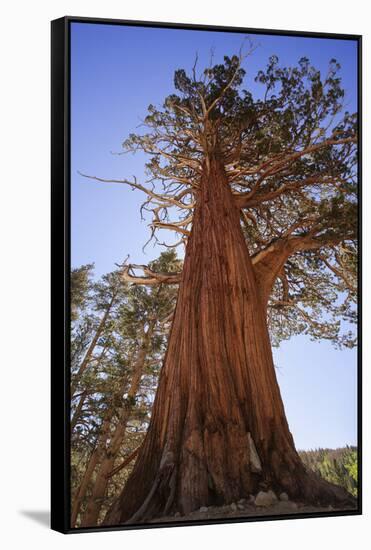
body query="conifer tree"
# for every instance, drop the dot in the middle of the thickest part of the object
(116, 387)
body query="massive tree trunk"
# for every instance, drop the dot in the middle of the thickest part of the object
(218, 430)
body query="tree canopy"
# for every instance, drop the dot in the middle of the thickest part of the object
(290, 156)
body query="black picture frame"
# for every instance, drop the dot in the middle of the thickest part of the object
(61, 265)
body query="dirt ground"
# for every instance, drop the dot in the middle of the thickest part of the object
(249, 510)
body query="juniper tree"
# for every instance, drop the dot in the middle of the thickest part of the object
(264, 197)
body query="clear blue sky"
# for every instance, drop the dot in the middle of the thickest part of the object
(116, 72)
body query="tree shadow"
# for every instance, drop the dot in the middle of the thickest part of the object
(42, 517)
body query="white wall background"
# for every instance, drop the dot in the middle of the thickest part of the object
(24, 313)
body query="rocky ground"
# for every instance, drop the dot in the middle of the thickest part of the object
(263, 504)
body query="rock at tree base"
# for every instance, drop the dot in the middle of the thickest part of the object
(265, 498)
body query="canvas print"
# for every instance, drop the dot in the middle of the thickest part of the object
(214, 186)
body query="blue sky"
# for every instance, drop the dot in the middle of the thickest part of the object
(116, 72)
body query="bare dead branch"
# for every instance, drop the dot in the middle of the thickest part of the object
(150, 277)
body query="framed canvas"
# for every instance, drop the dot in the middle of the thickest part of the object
(206, 188)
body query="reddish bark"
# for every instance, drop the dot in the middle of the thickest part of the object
(218, 400)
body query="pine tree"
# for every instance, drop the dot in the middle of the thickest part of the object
(117, 382)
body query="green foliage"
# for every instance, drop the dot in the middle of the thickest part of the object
(318, 300)
(351, 464)
(337, 466)
(80, 288)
